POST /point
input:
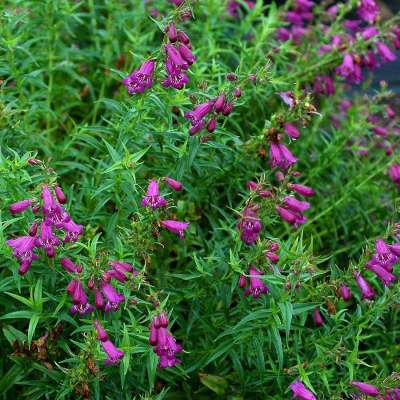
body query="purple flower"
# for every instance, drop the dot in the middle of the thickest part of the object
(318, 320)
(199, 112)
(249, 226)
(212, 125)
(20, 206)
(72, 231)
(79, 298)
(69, 266)
(98, 299)
(175, 56)
(172, 33)
(368, 11)
(280, 156)
(113, 297)
(290, 216)
(114, 355)
(344, 292)
(369, 32)
(366, 291)
(175, 77)
(257, 286)
(300, 392)
(176, 227)
(140, 80)
(394, 173)
(122, 267)
(366, 388)
(385, 276)
(153, 198)
(291, 131)
(346, 69)
(23, 251)
(385, 52)
(101, 333)
(288, 98)
(296, 205)
(219, 103)
(62, 199)
(52, 211)
(302, 190)
(186, 54)
(173, 184)
(47, 239)
(384, 256)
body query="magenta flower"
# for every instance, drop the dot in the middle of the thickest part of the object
(318, 320)
(140, 80)
(101, 333)
(164, 343)
(385, 276)
(174, 55)
(281, 157)
(300, 392)
(186, 54)
(346, 69)
(52, 211)
(72, 231)
(288, 98)
(394, 173)
(249, 226)
(302, 190)
(369, 32)
(153, 198)
(385, 52)
(98, 299)
(62, 199)
(384, 256)
(79, 298)
(366, 388)
(295, 205)
(112, 296)
(122, 267)
(23, 251)
(344, 292)
(172, 33)
(47, 239)
(173, 184)
(114, 355)
(368, 11)
(291, 131)
(366, 291)
(20, 206)
(176, 78)
(69, 266)
(176, 227)
(199, 112)
(257, 286)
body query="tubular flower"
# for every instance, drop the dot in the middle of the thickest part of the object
(79, 298)
(165, 345)
(52, 211)
(318, 320)
(256, 285)
(368, 11)
(112, 296)
(153, 198)
(72, 231)
(20, 206)
(366, 291)
(176, 227)
(300, 392)
(384, 256)
(140, 80)
(69, 266)
(281, 157)
(344, 292)
(47, 239)
(385, 276)
(366, 388)
(394, 174)
(23, 251)
(302, 190)
(114, 355)
(249, 226)
(176, 78)
(173, 184)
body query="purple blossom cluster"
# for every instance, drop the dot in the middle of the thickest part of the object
(164, 344)
(154, 200)
(256, 287)
(53, 218)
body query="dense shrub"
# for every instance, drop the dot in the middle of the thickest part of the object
(206, 187)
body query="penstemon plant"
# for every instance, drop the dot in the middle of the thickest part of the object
(198, 200)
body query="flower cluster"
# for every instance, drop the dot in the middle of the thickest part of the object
(164, 343)
(54, 217)
(153, 200)
(256, 285)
